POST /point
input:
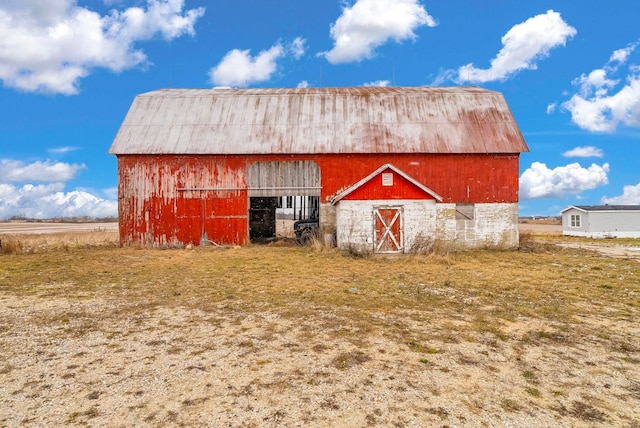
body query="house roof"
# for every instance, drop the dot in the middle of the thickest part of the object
(588, 208)
(319, 120)
(375, 173)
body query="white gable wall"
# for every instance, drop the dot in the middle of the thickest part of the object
(567, 229)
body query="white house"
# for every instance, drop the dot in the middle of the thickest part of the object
(602, 221)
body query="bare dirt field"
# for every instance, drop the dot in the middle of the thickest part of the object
(541, 228)
(17, 227)
(96, 335)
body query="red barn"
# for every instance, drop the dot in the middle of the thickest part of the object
(210, 163)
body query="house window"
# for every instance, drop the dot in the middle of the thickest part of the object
(387, 179)
(576, 220)
(289, 201)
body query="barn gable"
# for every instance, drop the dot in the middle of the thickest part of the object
(387, 182)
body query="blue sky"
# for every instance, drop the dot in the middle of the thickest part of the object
(69, 70)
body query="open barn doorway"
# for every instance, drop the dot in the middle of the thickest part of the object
(297, 215)
(262, 218)
(283, 196)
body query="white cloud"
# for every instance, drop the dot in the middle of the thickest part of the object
(49, 201)
(379, 83)
(297, 47)
(538, 181)
(369, 24)
(584, 152)
(48, 46)
(239, 68)
(601, 104)
(14, 171)
(551, 108)
(630, 196)
(622, 55)
(63, 149)
(303, 84)
(523, 45)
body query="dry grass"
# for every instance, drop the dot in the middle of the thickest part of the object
(46, 242)
(541, 335)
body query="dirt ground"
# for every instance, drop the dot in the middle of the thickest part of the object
(541, 228)
(184, 367)
(97, 358)
(607, 247)
(13, 227)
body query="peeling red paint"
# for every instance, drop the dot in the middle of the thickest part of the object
(156, 207)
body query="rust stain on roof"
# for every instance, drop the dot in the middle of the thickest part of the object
(319, 120)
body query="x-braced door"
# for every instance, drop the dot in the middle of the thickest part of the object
(387, 233)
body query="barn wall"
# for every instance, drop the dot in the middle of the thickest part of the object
(327, 218)
(400, 188)
(355, 223)
(155, 209)
(483, 178)
(492, 226)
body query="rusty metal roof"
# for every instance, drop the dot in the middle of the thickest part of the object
(319, 120)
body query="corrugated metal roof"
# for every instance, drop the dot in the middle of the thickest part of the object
(319, 120)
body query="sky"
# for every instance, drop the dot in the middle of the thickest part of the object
(70, 69)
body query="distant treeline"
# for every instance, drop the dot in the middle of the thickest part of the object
(83, 219)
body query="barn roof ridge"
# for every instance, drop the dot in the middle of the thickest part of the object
(346, 90)
(377, 172)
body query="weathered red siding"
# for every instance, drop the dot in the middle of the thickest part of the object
(165, 199)
(457, 178)
(401, 188)
(174, 198)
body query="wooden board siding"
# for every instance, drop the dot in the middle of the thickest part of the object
(400, 188)
(160, 197)
(278, 178)
(457, 178)
(173, 200)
